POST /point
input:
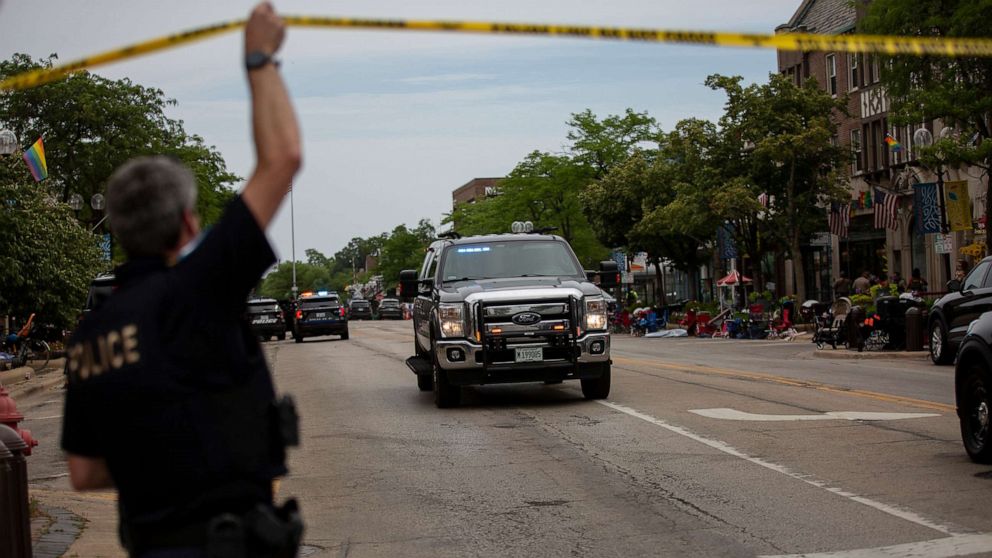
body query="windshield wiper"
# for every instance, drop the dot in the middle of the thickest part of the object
(467, 279)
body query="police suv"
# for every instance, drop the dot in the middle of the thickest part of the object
(508, 308)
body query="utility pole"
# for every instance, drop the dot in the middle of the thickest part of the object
(292, 236)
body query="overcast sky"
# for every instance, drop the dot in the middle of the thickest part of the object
(394, 121)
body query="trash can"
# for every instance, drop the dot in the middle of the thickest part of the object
(914, 329)
(19, 520)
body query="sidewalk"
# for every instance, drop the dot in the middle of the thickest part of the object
(66, 522)
(841, 353)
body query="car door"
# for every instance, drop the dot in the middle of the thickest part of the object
(422, 304)
(975, 299)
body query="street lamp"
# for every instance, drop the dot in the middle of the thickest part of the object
(8, 142)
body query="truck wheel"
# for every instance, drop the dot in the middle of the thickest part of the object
(445, 394)
(597, 388)
(344, 336)
(975, 418)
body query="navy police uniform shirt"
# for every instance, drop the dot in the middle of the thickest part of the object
(169, 386)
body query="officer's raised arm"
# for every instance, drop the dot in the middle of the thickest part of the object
(274, 125)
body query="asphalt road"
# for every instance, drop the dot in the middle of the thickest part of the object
(705, 448)
(535, 470)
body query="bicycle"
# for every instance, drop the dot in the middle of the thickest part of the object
(29, 351)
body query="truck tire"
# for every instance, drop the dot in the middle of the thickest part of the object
(597, 388)
(445, 394)
(344, 336)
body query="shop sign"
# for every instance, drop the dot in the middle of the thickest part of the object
(942, 243)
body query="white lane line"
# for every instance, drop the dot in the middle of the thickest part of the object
(904, 514)
(734, 414)
(958, 545)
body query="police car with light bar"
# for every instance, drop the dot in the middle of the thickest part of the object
(320, 313)
(508, 308)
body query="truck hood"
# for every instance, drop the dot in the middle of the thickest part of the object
(517, 287)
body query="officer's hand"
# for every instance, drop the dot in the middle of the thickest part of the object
(265, 30)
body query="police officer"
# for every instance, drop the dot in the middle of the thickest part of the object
(169, 398)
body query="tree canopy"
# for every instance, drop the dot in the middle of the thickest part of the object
(90, 125)
(955, 90)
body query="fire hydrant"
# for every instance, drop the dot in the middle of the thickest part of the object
(10, 417)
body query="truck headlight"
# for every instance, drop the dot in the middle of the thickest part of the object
(595, 314)
(452, 319)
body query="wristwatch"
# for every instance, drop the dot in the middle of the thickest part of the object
(257, 59)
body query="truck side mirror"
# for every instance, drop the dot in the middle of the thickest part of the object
(609, 277)
(409, 283)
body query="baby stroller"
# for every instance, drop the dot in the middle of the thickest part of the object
(833, 327)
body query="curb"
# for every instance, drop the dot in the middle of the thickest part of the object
(842, 354)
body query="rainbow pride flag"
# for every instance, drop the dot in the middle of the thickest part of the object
(35, 158)
(893, 143)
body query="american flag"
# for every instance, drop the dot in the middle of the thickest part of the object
(763, 200)
(840, 218)
(885, 210)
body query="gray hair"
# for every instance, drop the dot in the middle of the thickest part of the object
(146, 198)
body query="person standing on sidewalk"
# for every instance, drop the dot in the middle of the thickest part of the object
(169, 398)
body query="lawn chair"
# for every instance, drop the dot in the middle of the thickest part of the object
(835, 333)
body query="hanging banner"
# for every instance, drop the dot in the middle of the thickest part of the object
(958, 204)
(725, 236)
(926, 207)
(621, 258)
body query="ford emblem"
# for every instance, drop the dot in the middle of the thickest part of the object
(526, 318)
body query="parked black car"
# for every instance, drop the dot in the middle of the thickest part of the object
(360, 309)
(320, 314)
(951, 315)
(101, 288)
(390, 309)
(973, 388)
(266, 318)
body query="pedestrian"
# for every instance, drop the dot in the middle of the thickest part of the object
(862, 284)
(917, 283)
(842, 286)
(898, 281)
(169, 398)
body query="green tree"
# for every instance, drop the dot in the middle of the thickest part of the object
(792, 158)
(955, 90)
(278, 284)
(47, 259)
(91, 125)
(404, 249)
(543, 189)
(603, 144)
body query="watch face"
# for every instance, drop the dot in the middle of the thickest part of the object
(255, 60)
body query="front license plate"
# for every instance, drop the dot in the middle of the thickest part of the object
(529, 354)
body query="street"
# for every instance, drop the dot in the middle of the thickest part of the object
(705, 447)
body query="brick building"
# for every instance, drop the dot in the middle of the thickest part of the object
(475, 189)
(874, 165)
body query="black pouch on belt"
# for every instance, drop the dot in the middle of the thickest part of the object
(226, 537)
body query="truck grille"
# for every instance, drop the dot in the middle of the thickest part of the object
(502, 326)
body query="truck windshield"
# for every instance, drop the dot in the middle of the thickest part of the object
(521, 258)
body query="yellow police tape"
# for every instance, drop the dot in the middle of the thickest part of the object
(786, 41)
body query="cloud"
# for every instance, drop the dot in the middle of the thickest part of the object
(447, 78)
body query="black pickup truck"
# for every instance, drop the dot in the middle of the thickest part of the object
(508, 308)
